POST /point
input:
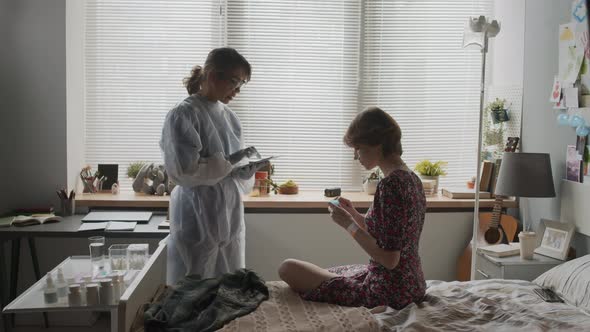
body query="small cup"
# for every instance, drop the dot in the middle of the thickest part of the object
(97, 251)
(261, 183)
(106, 291)
(75, 295)
(92, 295)
(528, 243)
(137, 255)
(118, 257)
(68, 207)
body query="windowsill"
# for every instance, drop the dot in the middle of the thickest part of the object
(303, 200)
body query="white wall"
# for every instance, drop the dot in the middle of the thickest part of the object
(33, 91)
(507, 49)
(541, 132)
(271, 238)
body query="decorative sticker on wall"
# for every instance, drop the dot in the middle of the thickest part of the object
(570, 62)
(567, 35)
(556, 91)
(579, 12)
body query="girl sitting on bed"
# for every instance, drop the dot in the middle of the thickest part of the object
(389, 232)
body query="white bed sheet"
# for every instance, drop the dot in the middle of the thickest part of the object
(484, 305)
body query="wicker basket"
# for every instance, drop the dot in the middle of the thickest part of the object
(288, 190)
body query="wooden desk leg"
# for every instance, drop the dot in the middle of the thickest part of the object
(33, 250)
(14, 261)
(3, 276)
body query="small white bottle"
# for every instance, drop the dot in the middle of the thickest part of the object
(62, 287)
(75, 295)
(50, 293)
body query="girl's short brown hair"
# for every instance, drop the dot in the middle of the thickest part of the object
(372, 127)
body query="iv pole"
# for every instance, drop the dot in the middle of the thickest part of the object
(489, 30)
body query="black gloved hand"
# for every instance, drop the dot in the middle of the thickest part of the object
(248, 152)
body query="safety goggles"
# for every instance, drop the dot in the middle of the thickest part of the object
(235, 81)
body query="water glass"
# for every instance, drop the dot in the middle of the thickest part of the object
(137, 255)
(96, 245)
(118, 257)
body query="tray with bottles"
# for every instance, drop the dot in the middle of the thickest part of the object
(70, 285)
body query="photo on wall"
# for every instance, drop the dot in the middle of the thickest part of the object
(574, 164)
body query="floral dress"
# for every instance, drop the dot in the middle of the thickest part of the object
(395, 220)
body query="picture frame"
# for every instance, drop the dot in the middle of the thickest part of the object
(554, 238)
(111, 176)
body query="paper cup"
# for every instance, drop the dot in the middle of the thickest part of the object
(528, 243)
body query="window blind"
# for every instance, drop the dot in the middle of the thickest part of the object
(303, 91)
(316, 64)
(414, 67)
(136, 55)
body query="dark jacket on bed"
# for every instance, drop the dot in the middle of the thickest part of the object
(196, 304)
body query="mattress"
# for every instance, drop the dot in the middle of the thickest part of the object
(483, 305)
(286, 311)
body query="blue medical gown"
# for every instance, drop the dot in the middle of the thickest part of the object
(207, 230)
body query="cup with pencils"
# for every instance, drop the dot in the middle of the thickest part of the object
(68, 203)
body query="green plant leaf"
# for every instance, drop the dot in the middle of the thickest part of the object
(134, 168)
(428, 168)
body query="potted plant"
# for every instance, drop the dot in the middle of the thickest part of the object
(133, 169)
(498, 110)
(370, 183)
(431, 171)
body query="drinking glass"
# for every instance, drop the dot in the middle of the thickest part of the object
(96, 245)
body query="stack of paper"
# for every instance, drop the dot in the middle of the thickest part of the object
(501, 250)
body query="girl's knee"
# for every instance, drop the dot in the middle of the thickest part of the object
(287, 268)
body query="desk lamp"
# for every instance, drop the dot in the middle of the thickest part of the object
(525, 175)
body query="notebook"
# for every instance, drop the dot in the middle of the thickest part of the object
(141, 217)
(164, 224)
(110, 226)
(502, 250)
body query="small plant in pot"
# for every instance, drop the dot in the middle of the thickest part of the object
(134, 168)
(370, 183)
(431, 171)
(498, 110)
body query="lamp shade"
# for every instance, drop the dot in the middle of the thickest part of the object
(525, 175)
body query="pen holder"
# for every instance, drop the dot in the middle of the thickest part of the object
(68, 207)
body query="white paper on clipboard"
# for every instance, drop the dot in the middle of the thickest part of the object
(263, 160)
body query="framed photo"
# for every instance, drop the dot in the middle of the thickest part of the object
(554, 238)
(111, 175)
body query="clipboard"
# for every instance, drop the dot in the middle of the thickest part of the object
(263, 160)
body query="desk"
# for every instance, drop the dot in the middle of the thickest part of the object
(67, 228)
(305, 200)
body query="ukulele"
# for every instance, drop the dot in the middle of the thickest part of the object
(493, 228)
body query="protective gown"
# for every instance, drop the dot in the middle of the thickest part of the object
(207, 230)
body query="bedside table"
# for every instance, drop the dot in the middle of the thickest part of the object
(513, 267)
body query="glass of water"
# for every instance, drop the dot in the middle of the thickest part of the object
(97, 255)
